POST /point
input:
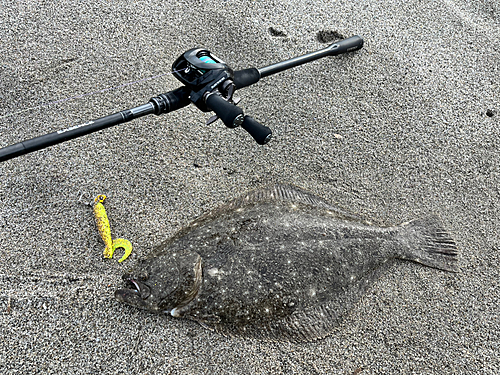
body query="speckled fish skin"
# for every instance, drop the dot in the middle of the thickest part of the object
(279, 264)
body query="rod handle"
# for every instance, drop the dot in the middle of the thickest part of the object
(262, 134)
(232, 116)
(227, 112)
(246, 77)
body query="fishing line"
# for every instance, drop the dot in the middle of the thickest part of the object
(59, 101)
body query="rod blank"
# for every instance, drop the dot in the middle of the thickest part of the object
(76, 131)
(346, 45)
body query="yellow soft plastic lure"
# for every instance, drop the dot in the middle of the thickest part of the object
(102, 222)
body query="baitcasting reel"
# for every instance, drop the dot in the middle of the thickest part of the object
(204, 74)
(211, 82)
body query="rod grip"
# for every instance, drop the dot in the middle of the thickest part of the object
(246, 77)
(262, 134)
(226, 111)
(171, 101)
(232, 116)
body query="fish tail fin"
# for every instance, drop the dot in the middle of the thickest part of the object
(427, 242)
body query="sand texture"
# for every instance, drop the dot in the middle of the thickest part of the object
(406, 127)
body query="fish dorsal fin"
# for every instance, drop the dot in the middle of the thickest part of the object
(273, 193)
(292, 194)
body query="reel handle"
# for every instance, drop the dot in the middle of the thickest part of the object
(262, 134)
(232, 116)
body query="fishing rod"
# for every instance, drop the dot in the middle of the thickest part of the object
(209, 83)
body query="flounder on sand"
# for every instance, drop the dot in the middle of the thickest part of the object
(277, 263)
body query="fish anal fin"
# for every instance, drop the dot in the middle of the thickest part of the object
(311, 324)
(303, 326)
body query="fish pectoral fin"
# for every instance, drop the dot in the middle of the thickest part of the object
(206, 326)
(125, 245)
(206, 321)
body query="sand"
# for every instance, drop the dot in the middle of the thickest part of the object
(404, 128)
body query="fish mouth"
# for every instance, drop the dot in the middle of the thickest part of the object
(136, 293)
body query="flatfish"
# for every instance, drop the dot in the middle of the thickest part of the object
(278, 264)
